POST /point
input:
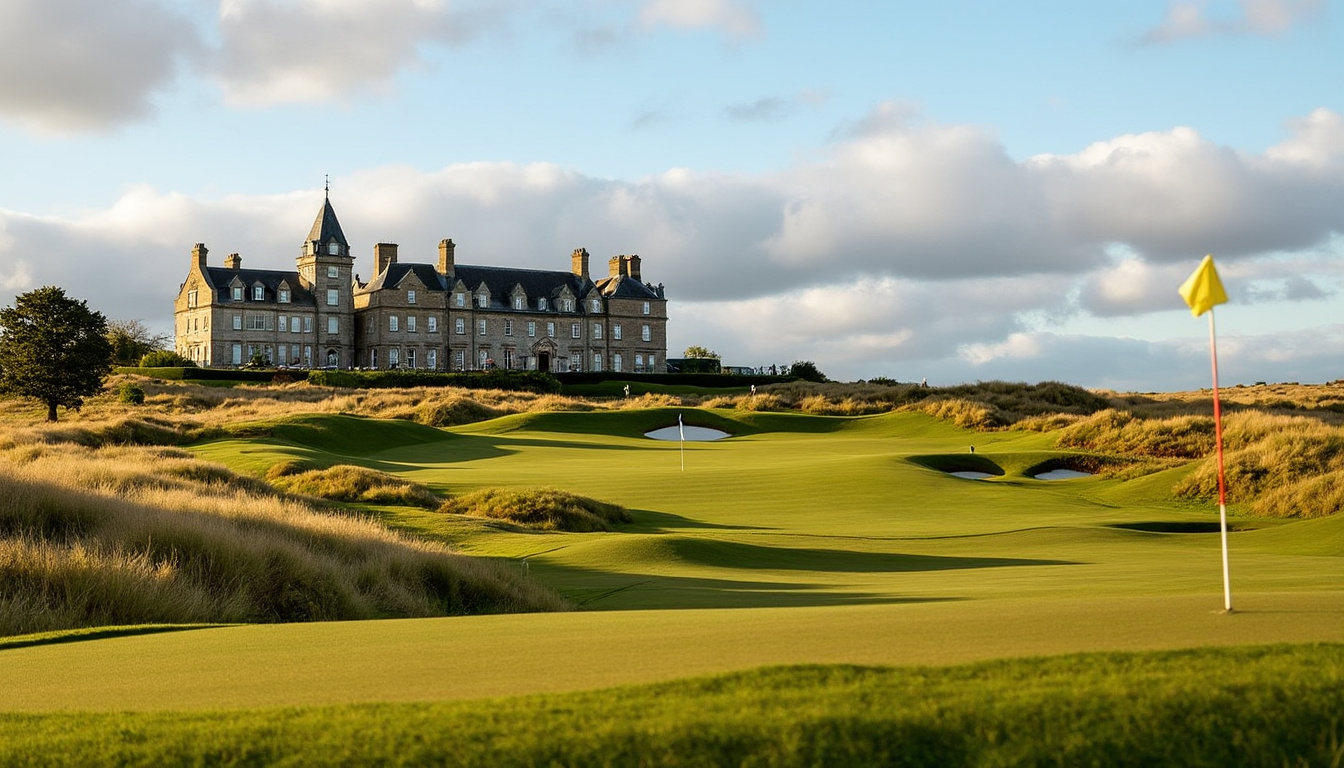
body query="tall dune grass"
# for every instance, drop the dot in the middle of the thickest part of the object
(106, 536)
(545, 509)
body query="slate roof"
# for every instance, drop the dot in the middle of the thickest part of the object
(535, 282)
(326, 227)
(221, 279)
(622, 287)
(395, 273)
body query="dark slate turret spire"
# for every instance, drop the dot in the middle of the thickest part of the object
(326, 228)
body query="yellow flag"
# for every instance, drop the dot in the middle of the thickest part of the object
(1203, 289)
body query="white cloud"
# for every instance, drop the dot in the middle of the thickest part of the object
(79, 65)
(905, 249)
(310, 51)
(734, 17)
(1190, 19)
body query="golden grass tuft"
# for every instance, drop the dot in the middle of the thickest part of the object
(348, 483)
(545, 509)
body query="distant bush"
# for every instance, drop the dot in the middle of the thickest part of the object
(546, 509)
(162, 358)
(455, 410)
(348, 483)
(132, 393)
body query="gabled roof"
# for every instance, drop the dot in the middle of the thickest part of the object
(534, 282)
(222, 277)
(621, 287)
(395, 273)
(326, 227)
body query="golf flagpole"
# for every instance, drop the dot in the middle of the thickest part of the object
(681, 430)
(1202, 290)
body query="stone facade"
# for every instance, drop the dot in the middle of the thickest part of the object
(442, 316)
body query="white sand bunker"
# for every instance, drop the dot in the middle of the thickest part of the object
(1062, 474)
(693, 434)
(967, 475)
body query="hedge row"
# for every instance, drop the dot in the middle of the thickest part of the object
(517, 381)
(707, 380)
(218, 374)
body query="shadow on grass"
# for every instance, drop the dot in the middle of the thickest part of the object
(653, 521)
(619, 592)
(731, 554)
(97, 633)
(1159, 526)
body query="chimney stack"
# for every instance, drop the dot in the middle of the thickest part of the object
(632, 267)
(447, 256)
(384, 256)
(615, 265)
(233, 261)
(198, 255)
(579, 263)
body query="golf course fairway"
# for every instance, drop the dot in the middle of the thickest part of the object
(799, 540)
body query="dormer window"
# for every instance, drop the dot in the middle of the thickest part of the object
(519, 302)
(566, 305)
(335, 250)
(597, 305)
(542, 305)
(284, 295)
(482, 300)
(258, 293)
(410, 297)
(459, 299)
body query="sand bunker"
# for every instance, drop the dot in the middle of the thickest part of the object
(692, 434)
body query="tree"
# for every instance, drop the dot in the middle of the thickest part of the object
(702, 353)
(806, 370)
(54, 349)
(131, 341)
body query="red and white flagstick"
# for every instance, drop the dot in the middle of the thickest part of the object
(1222, 485)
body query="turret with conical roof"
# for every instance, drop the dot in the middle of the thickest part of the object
(326, 268)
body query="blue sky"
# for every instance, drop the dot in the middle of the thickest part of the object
(955, 191)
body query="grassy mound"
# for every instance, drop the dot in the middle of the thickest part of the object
(96, 537)
(1256, 706)
(545, 509)
(348, 483)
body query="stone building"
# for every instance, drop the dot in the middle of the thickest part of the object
(440, 316)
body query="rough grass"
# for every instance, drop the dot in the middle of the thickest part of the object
(1268, 706)
(120, 535)
(348, 483)
(545, 509)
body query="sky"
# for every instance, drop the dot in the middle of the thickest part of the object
(955, 191)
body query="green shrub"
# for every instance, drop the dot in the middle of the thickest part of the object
(130, 392)
(547, 509)
(162, 358)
